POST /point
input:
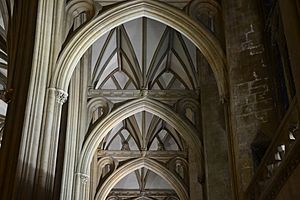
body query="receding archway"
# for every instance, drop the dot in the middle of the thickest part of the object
(202, 38)
(143, 104)
(93, 30)
(139, 163)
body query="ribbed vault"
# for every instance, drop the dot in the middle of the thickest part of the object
(4, 18)
(142, 66)
(200, 36)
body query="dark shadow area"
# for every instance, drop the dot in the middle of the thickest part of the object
(259, 147)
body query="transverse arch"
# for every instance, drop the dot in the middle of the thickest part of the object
(137, 164)
(202, 38)
(143, 104)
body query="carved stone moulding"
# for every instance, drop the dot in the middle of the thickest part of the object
(176, 3)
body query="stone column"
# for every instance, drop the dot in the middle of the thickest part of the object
(77, 118)
(81, 186)
(20, 42)
(49, 144)
(28, 158)
(195, 173)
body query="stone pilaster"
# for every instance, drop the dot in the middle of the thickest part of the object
(77, 118)
(219, 184)
(47, 154)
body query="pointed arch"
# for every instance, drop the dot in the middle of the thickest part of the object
(206, 42)
(101, 129)
(150, 164)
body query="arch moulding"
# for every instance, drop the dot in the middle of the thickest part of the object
(137, 164)
(101, 129)
(189, 133)
(204, 40)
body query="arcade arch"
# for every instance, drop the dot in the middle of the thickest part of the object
(85, 37)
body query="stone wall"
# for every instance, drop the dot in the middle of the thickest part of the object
(252, 107)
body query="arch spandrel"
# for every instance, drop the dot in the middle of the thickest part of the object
(78, 45)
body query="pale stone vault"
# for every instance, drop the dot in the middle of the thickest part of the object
(140, 55)
(147, 99)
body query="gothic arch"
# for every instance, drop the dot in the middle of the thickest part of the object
(203, 39)
(102, 128)
(144, 104)
(137, 164)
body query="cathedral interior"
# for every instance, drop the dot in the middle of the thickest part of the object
(149, 99)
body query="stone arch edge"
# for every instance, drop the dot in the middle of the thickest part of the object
(137, 164)
(205, 41)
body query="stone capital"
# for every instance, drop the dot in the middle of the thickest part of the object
(61, 96)
(84, 178)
